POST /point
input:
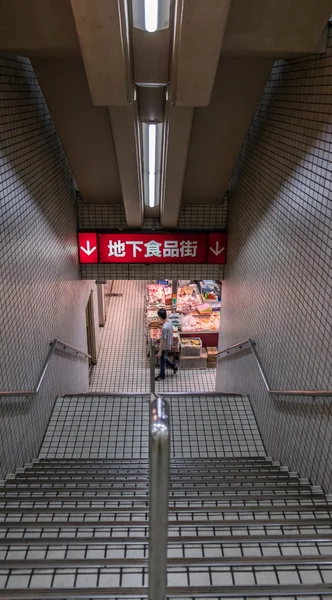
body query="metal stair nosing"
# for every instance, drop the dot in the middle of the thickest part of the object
(174, 479)
(244, 561)
(172, 540)
(238, 591)
(234, 524)
(177, 460)
(76, 497)
(172, 509)
(135, 471)
(291, 483)
(175, 504)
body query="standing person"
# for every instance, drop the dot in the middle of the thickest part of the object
(165, 345)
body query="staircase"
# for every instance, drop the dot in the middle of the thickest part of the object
(241, 527)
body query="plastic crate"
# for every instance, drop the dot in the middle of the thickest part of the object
(188, 350)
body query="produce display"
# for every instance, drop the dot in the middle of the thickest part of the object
(192, 323)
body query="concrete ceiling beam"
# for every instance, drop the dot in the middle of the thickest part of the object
(124, 121)
(219, 130)
(198, 37)
(177, 139)
(281, 28)
(101, 30)
(38, 28)
(84, 129)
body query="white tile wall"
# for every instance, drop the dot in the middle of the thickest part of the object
(112, 216)
(41, 296)
(279, 273)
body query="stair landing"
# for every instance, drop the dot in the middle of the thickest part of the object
(117, 427)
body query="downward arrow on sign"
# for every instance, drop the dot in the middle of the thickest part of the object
(216, 250)
(88, 250)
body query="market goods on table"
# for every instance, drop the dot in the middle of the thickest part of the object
(197, 323)
(188, 298)
(168, 295)
(155, 294)
(175, 320)
(156, 297)
(210, 290)
(188, 303)
(204, 309)
(191, 346)
(198, 312)
(212, 356)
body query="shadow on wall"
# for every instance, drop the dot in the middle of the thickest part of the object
(42, 297)
(278, 285)
(36, 147)
(286, 161)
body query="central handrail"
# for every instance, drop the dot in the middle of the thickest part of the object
(152, 367)
(159, 493)
(252, 347)
(54, 344)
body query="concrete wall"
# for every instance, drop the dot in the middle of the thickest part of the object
(42, 296)
(279, 272)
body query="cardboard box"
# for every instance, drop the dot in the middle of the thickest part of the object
(192, 362)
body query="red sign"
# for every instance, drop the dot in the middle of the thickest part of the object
(152, 247)
(180, 247)
(217, 246)
(87, 247)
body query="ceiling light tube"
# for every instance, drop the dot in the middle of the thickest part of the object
(152, 165)
(151, 15)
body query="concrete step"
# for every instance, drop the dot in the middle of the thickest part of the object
(201, 495)
(134, 504)
(240, 592)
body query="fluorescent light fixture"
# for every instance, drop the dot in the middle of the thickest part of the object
(152, 165)
(151, 15)
(152, 137)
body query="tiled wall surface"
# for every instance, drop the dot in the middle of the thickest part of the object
(192, 216)
(279, 272)
(153, 271)
(41, 295)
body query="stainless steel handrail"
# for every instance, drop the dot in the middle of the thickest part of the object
(152, 367)
(159, 493)
(54, 344)
(252, 346)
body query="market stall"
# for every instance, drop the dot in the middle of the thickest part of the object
(199, 305)
(195, 319)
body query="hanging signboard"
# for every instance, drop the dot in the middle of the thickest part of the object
(155, 247)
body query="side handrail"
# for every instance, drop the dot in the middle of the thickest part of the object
(159, 450)
(252, 346)
(54, 344)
